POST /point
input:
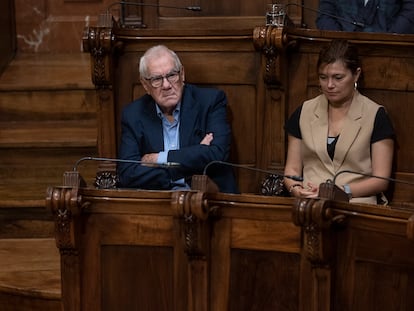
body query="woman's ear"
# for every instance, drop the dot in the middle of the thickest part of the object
(357, 73)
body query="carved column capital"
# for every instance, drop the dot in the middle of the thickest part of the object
(98, 41)
(316, 219)
(66, 205)
(194, 212)
(271, 42)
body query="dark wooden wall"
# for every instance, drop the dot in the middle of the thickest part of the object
(7, 34)
(41, 23)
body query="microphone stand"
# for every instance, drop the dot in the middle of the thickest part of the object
(355, 23)
(331, 191)
(273, 185)
(328, 190)
(136, 21)
(106, 176)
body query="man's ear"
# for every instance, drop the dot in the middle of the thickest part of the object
(145, 85)
(182, 73)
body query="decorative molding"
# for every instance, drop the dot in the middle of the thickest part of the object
(271, 42)
(66, 205)
(316, 219)
(194, 212)
(98, 41)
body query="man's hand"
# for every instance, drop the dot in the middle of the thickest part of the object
(150, 158)
(207, 139)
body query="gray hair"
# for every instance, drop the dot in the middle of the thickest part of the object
(155, 52)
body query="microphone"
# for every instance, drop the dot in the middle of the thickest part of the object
(149, 164)
(137, 22)
(189, 8)
(355, 23)
(331, 191)
(296, 178)
(373, 176)
(273, 185)
(107, 178)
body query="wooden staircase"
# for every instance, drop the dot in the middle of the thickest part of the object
(47, 122)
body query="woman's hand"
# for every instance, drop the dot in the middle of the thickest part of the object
(310, 191)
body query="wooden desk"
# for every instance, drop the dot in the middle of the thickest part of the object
(361, 256)
(190, 250)
(155, 250)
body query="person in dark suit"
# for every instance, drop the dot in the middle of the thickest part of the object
(391, 16)
(174, 122)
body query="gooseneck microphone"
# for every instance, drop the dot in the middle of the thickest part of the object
(189, 8)
(355, 23)
(332, 191)
(370, 175)
(296, 178)
(144, 163)
(106, 19)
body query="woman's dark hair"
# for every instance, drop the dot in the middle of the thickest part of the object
(339, 49)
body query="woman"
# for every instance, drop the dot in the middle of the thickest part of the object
(339, 130)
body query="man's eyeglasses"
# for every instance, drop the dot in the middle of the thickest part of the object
(171, 77)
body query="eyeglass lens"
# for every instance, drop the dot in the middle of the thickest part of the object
(171, 77)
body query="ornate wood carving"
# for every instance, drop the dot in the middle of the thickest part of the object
(65, 205)
(98, 42)
(194, 214)
(316, 219)
(271, 41)
(193, 211)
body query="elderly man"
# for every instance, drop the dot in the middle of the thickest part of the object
(174, 123)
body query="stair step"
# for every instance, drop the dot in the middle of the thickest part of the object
(29, 275)
(71, 133)
(48, 121)
(43, 71)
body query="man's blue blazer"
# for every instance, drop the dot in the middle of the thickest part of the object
(203, 111)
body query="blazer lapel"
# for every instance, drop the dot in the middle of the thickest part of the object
(188, 118)
(350, 131)
(319, 128)
(154, 126)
